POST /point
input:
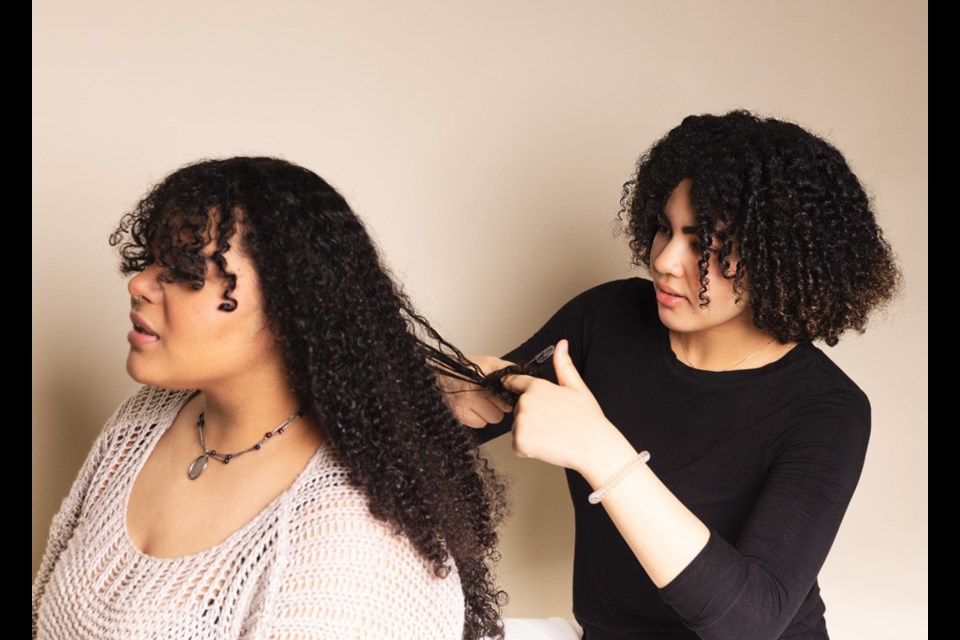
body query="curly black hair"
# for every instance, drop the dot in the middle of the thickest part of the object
(812, 260)
(355, 349)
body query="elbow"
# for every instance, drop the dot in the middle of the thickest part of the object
(723, 595)
(761, 611)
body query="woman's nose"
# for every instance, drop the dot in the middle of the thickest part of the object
(145, 286)
(669, 260)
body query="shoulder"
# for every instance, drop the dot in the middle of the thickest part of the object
(149, 403)
(829, 387)
(828, 406)
(123, 439)
(142, 411)
(619, 309)
(601, 311)
(344, 563)
(627, 298)
(333, 520)
(627, 291)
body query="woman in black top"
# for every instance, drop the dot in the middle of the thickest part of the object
(759, 240)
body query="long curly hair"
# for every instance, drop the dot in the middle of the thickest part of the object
(811, 259)
(353, 344)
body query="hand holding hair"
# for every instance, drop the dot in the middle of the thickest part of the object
(563, 424)
(471, 403)
(474, 386)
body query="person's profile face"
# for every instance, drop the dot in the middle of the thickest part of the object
(182, 339)
(674, 265)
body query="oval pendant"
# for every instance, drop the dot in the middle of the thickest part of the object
(197, 467)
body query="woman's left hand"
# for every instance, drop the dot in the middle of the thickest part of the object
(562, 423)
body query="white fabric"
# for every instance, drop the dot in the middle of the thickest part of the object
(313, 564)
(541, 629)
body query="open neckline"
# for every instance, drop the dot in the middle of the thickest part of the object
(162, 426)
(686, 372)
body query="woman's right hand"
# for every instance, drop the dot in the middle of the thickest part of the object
(471, 405)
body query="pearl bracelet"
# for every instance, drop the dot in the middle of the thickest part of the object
(597, 496)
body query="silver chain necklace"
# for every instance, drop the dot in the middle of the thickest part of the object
(200, 464)
(683, 345)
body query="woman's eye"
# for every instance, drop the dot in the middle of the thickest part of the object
(662, 228)
(697, 248)
(169, 276)
(189, 283)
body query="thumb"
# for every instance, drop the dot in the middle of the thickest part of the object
(567, 374)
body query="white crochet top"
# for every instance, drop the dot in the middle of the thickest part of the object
(313, 564)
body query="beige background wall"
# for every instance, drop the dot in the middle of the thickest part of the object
(485, 144)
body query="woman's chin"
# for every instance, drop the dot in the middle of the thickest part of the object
(672, 321)
(142, 374)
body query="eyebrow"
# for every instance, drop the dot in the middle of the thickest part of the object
(662, 217)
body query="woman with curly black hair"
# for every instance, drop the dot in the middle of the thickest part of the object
(711, 448)
(290, 468)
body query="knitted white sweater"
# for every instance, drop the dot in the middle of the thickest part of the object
(313, 564)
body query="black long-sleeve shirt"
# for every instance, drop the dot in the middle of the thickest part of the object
(767, 458)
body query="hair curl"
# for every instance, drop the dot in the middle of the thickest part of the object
(811, 258)
(355, 349)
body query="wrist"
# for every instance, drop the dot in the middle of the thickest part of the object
(606, 453)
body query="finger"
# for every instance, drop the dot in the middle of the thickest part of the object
(487, 396)
(502, 405)
(567, 374)
(449, 383)
(471, 419)
(518, 383)
(488, 364)
(464, 415)
(518, 449)
(488, 412)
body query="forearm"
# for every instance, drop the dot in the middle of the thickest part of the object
(664, 535)
(725, 596)
(757, 582)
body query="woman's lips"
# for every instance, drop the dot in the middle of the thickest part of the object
(138, 339)
(142, 333)
(668, 298)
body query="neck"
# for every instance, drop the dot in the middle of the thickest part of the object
(239, 415)
(726, 348)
